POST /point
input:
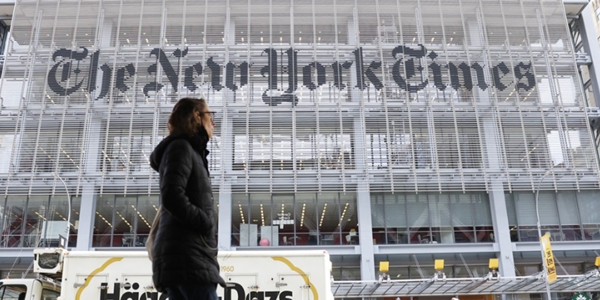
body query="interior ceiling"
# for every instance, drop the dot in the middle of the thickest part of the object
(574, 7)
(6, 13)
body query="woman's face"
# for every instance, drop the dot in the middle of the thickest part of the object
(206, 119)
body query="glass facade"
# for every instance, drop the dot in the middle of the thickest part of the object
(38, 221)
(566, 215)
(431, 218)
(369, 129)
(294, 219)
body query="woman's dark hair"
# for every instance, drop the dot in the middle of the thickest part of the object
(182, 119)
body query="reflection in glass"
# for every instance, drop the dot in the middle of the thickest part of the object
(431, 218)
(38, 221)
(566, 215)
(13, 221)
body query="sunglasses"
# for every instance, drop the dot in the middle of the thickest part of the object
(212, 115)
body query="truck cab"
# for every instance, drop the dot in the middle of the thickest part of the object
(29, 289)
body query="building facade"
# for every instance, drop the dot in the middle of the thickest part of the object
(398, 131)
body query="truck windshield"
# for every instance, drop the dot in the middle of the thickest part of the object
(13, 292)
(49, 294)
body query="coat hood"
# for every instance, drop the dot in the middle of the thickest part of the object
(198, 142)
(157, 154)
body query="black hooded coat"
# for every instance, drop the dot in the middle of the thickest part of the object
(185, 246)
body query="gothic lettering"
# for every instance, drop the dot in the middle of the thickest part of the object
(215, 74)
(371, 76)
(106, 75)
(188, 80)
(307, 75)
(65, 76)
(121, 77)
(480, 76)
(166, 66)
(291, 70)
(436, 69)
(272, 95)
(409, 68)
(498, 72)
(454, 77)
(152, 86)
(358, 65)
(270, 68)
(519, 68)
(361, 72)
(230, 75)
(91, 85)
(337, 73)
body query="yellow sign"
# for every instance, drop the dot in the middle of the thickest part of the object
(549, 258)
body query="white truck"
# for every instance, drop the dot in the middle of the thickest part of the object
(127, 275)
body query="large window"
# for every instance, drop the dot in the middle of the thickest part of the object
(294, 219)
(566, 215)
(38, 221)
(123, 221)
(431, 218)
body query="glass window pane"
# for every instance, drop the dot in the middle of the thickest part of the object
(146, 209)
(48, 294)
(103, 221)
(395, 210)
(526, 270)
(13, 221)
(13, 292)
(305, 220)
(462, 213)
(282, 223)
(547, 208)
(524, 202)
(6, 146)
(567, 207)
(378, 208)
(510, 209)
(239, 217)
(59, 213)
(589, 211)
(37, 215)
(348, 219)
(589, 207)
(262, 213)
(483, 214)
(125, 221)
(460, 271)
(417, 210)
(439, 207)
(329, 217)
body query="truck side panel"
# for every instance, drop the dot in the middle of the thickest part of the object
(268, 275)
